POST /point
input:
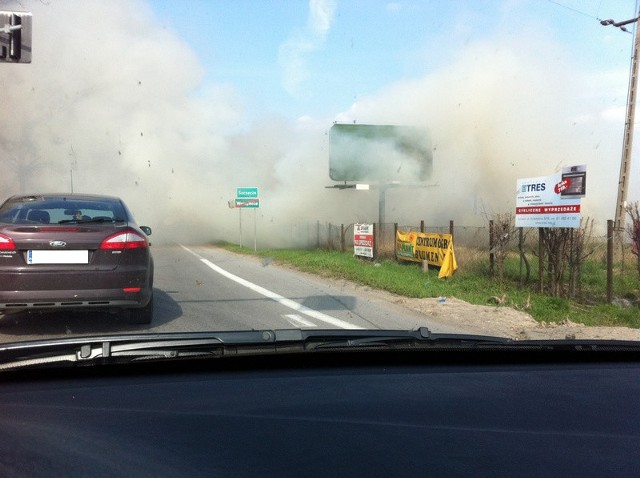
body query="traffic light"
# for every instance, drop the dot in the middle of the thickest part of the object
(15, 37)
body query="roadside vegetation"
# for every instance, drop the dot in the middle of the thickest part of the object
(472, 283)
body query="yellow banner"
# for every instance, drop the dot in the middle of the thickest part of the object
(436, 249)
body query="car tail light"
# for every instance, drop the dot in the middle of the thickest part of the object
(125, 240)
(6, 243)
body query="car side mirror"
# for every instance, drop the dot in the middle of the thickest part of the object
(146, 230)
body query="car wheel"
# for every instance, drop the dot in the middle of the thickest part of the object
(143, 315)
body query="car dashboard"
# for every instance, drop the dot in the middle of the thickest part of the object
(366, 413)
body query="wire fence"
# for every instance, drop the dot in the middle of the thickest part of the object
(331, 236)
(612, 260)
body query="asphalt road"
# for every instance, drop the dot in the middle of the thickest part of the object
(206, 288)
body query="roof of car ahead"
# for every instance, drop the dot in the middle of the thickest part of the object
(72, 196)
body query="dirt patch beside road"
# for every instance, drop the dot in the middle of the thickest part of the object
(495, 320)
(507, 322)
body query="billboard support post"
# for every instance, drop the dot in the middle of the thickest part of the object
(382, 204)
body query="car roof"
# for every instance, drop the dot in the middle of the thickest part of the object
(72, 196)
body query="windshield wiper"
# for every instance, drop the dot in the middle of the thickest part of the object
(85, 221)
(118, 348)
(104, 219)
(336, 339)
(163, 346)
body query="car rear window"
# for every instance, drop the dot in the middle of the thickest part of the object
(54, 211)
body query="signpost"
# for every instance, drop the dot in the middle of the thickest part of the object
(247, 197)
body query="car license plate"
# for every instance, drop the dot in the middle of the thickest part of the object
(57, 257)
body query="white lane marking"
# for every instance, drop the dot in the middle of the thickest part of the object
(292, 304)
(298, 321)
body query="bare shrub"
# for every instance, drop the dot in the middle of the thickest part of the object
(633, 210)
(556, 243)
(500, 234)
(580, 249)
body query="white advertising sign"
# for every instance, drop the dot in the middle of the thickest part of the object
(551, 201)
(363, 240)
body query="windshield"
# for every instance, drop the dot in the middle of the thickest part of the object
(466, 167)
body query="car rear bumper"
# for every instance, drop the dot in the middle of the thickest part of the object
(17, 301)
(72, 280)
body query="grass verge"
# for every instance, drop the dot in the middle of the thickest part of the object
(469, 284)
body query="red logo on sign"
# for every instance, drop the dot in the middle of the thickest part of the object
(562, 185)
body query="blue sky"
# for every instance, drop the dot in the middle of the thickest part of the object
(297, 57)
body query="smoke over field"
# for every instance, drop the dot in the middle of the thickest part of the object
(116, 103)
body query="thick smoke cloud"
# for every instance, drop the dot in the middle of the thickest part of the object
(497, 112)
(115, 103)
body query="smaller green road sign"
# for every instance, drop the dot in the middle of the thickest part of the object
(243, 193)
(253, 203)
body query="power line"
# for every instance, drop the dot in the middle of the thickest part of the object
(574, 10)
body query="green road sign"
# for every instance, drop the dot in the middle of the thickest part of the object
(244, 193)
(251, 202)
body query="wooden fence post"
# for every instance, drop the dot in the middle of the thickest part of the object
(395, 238)
(375, 241)
(541, 258)
(609, 260)
(491, 254)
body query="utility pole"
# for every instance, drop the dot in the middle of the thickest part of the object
(625, 162)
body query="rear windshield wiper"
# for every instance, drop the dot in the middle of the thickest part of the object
(95, 220)
(104, 219)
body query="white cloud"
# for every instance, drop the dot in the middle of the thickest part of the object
(296, 49)
(616, 114)
(394, 6)
(321, 13)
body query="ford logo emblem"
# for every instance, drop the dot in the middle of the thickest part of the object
(57, 243)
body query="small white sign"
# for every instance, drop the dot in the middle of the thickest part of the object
(363, 240)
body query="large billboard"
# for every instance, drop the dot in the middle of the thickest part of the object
(379, 153)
